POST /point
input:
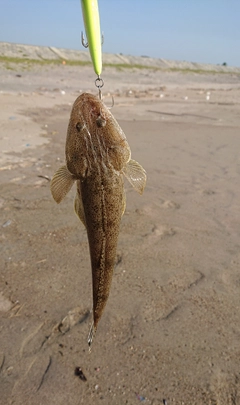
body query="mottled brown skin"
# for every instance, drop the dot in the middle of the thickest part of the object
(97, 156)
(95, 153)
(94, 139)
(102, 215)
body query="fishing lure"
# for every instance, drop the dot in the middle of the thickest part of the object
(93, 33)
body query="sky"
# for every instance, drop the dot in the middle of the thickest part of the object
(205, 31)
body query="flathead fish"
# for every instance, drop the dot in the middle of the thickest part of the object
(97, 157)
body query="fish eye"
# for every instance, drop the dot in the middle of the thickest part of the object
(100, 121)
(79, 126)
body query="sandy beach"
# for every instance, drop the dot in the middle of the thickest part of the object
(170, 333)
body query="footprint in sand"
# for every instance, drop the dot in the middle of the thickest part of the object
(39, 338)
(161, 232)
(171, 204)
(76, 316)
(206, 191)
(153, 209)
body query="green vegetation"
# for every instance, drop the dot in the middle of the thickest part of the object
(26, 63)
(200, 71)
(9, 67)
(42, 62)
(121, 66)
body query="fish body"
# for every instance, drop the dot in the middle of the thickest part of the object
(97, 157)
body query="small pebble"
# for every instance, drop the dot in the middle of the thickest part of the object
(7, 223)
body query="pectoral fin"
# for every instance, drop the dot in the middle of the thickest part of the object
(136, 175)
(78, 206)
(61, 183)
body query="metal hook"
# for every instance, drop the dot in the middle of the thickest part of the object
(85, 44)
(112, 104)
(99, 83)
(90, 336)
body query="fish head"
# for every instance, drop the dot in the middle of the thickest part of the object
(94, 136)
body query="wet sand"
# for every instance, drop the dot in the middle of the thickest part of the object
(171, 328)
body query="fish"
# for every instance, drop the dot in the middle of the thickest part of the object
(97, 159)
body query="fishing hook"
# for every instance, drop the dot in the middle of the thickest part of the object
(85, 43)
(90, 337)
(112, 104)
(99, 83)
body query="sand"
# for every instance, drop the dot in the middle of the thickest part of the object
(171, 329)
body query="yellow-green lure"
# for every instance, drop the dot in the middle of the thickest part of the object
(93, 32)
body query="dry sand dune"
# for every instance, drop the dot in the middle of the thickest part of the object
(171, 329)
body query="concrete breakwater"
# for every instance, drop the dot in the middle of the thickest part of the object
(42, 53)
